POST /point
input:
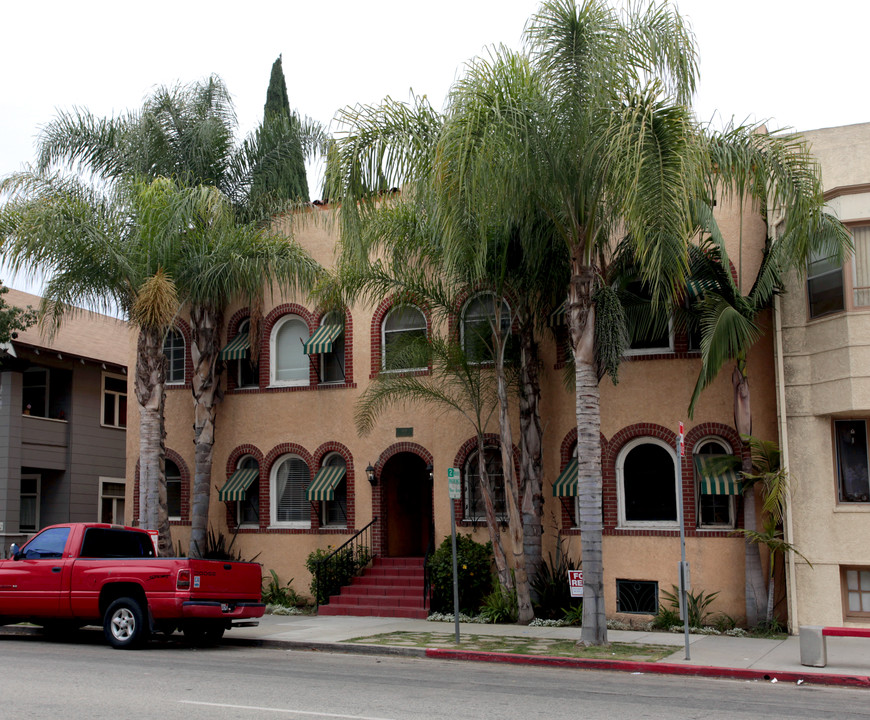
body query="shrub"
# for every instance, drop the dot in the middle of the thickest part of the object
(500, 606)
(573, 615)
(276, 594)
(666, 618)
(473, 569)
(696, 604)
(336, 573)
(550, 588)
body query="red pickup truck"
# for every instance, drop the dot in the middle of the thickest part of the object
(85, 573)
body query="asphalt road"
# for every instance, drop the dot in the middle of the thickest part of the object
(166, 680)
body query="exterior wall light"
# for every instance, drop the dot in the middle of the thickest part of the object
(429, 469)
(370, 474)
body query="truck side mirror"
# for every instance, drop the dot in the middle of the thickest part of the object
(14, 551)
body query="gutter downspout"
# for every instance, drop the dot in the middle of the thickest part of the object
(782, 422)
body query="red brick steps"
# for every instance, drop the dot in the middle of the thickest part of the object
(391, 587)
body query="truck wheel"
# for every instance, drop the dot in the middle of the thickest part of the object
(124, 624)
(203, 633)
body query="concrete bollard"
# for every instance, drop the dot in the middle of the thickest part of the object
(814, 652)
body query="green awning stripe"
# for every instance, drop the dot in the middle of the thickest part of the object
(324, 484)
(721, 481)
(322, 339)
(237, 348)
(695, 287)
(237, 485)
(566, 483)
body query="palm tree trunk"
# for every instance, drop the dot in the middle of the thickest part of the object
(581, 312)
(151, 395)
(531, 440)
(206, 322)
(501, 566)
(755, 590)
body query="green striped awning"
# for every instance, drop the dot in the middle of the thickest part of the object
(714, 478)
(322, 339)
(559, 316)
(237, 348)
(324, 483)
(237, 485)
(566, 483)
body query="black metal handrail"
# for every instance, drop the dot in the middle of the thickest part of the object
(342, 564)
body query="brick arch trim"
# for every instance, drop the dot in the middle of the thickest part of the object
(402, 447)
(266, 341)
(350, 476)
(183, 327)
(705, 430)
(348, 340)
(184, 471)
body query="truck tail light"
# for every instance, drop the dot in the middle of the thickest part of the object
(183, 581)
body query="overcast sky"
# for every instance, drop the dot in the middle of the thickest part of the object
(797, 64)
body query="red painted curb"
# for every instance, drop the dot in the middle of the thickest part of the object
(657, 668)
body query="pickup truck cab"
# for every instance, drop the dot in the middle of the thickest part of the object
(89, 573)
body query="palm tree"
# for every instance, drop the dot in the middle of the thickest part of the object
(188, 133)
(106, 250)
(599, 144)
(774, 171)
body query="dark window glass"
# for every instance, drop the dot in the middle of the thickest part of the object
(824, 286)
(851, 438)
(649, 484)
(475, 508)
(108, 543)
(173, 490)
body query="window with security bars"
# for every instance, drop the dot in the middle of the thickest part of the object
(173, 349)
(334, 512)
(474, 507)
(637, 596)
(856, 593)
(112, 502)
(291, 479)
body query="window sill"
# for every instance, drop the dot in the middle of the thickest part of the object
(109, 427)
(289, 526)
(648, 526)
(55, 420)
(856, 507)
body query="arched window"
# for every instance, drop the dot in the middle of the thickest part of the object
(290, 479)
(249, 508)
(289, 361)
(646, 472)
(334, 512)
(173, 490)
(714, 509)
(173, 349)
(332, 363)
(474, 507)
(247, 374)
(403, 328)
(477, 324)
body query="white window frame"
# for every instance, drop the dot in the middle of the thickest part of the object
(38, 498)
(384, 332)
(171, 353)
(240, 465)
(659, 349)
(334, 315)
(174, 518)
(620, 485)
(732, 500)
(273, 355)
(117, 395)
(103, 481)
(463, 319)
(325, 504)
(274, 499)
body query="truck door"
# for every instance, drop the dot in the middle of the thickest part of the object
(32, 585)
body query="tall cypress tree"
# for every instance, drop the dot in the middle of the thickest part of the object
(281, 136)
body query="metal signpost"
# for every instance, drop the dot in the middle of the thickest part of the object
(684, 566)
(454, 492)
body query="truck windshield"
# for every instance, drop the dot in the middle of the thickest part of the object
(116, 543)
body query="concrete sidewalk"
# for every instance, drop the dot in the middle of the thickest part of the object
(711, 655)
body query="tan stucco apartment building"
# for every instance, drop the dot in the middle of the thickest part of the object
(290, 471)
(825, 362)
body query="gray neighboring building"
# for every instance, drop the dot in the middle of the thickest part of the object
(63, 417)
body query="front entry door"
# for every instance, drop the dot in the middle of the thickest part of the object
(407, 505)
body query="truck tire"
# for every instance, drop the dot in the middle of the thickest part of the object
(124, 624)
(203, 633)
